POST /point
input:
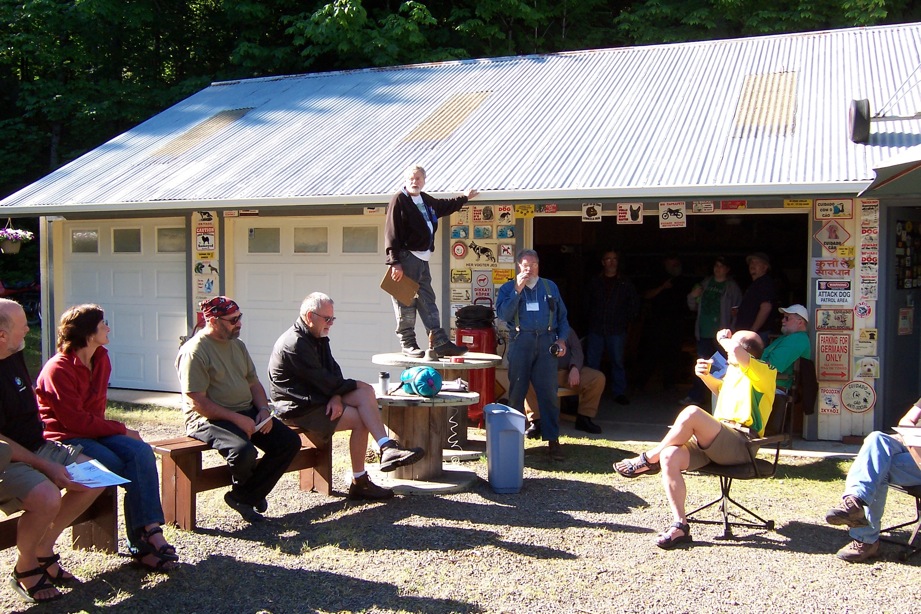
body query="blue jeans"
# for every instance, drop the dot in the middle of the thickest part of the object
(418, 270)
(132, 460)
(614, 346)
(530, 362)
(882, 460)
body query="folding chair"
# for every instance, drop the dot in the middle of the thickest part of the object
(755, 469)
(911, 491)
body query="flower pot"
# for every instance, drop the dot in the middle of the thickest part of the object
(10, 247)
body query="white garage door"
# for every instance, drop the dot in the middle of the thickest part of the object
(135, 270)
(279, 261)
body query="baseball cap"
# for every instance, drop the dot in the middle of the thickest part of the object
(797, 310)
(759, 256)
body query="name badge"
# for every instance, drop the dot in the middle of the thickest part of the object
(532, 306)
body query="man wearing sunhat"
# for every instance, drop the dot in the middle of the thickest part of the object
(224, 403)
(759, 299)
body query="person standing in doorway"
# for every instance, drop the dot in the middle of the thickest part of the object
(713, 300)
(409, 240)
(759, 299)
(613, 303)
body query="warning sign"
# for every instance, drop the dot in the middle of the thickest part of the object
(832, 236)
(833, 292)
(482, 285)
(834, 356)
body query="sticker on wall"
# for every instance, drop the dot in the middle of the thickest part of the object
(460, 295)
(866, 366)
(869, 212)
(869, 262)
(548, 208)
(832, 235)
(731, 205)
(869, 238)
(459, 250)
(482, 232)
(629, 213)
(831, 208)
(797, 203)
(833, 292)
(863, 310)
(524, 211)
(460, 232)
(865, 342)
(460, 276)
(869, 288)
(702, 206)
(906, 320)
(829, 401)
(832, 267)
(833, 356)
(834, 319)
(482, 214)
(591, 212)
(858, 396)
(484, 253)
(507, 252)
(461, 217)
(672, 214)
(500, 276)
(505, 214)
(505, 232)
(846, 251)
(482, 286)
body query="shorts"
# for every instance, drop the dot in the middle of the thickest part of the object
(20, 478)
(729, 448)
(317, 425)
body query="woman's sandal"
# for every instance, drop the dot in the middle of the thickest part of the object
(28, 594)
(58, 579)
(667, 541)
(636, 467)
(165, 554)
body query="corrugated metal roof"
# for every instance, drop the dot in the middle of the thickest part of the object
(765, 115)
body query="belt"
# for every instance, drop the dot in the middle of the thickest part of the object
(738, 427)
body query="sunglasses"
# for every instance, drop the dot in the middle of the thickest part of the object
(234, 319)
(329, 319)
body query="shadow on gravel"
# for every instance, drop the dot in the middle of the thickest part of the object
(218, 581)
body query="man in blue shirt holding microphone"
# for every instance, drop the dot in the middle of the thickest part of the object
(537, 328)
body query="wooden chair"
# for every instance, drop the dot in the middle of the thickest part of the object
(912, 549)
(755, 469)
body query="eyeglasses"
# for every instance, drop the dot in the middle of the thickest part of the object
(233, 320)
(329, 319)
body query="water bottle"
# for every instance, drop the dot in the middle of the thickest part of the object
(384, 381)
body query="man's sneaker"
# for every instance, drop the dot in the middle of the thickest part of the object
(363, 489)
(556, 451)
(584, 423)
(393, 456)
(859, 552)
(261, 506)
(413, 351)
(533, 431)
(450, 349)
(246, 510)
(849, 512)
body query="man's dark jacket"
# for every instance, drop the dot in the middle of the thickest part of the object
(406, 228)
(304, 373)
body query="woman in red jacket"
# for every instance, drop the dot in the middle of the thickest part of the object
(71, 391)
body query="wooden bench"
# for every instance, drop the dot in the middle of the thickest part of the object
(97, 527)
(182, 476)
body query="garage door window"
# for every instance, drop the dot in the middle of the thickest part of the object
(170, 240)
(264, 240)
(359, 240)
(126, 240)
(311, 240)
(84, 241)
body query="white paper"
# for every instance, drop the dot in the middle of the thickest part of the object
(94, 474)
(259, 425)
(911, 435)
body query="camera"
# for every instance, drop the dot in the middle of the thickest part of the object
(555, 349)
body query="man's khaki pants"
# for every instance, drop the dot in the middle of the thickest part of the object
(591, 386)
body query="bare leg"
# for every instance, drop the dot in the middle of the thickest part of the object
(692, 421)
(351, 420)
(40, 507)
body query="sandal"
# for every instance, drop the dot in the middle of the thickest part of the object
(165, 554)
(667, 542)
(636, 467)
(58, 579)
(28, 594)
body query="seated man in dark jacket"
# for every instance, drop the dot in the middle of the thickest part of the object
(308, 390)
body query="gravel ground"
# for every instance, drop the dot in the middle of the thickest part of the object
(577, 538)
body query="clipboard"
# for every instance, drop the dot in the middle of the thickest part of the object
(404, 290)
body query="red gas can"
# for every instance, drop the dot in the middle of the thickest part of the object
(482, 381)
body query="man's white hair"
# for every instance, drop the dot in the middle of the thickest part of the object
(313, 301)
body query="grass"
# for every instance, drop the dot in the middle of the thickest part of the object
(33, 351)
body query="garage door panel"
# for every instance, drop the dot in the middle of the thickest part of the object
(128, 367)
(127, 284)
(126, 322)
(82, 286)
(170, 284)
(170, 326)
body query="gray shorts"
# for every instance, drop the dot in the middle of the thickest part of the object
(318, 426)
(20, 478)
(729, 448)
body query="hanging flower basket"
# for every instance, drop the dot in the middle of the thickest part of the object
(11, 239)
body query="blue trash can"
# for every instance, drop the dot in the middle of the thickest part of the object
(504, 447)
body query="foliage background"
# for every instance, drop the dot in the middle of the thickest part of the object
(75, 73)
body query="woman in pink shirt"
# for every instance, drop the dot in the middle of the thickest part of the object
(71, 392)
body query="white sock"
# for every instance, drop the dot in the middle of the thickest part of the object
(355, 476)
(383, 441)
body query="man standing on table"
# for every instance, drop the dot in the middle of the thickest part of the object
(224, 401)
(537, 329)
(32, 470)
(409, 240)
(308, 390)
